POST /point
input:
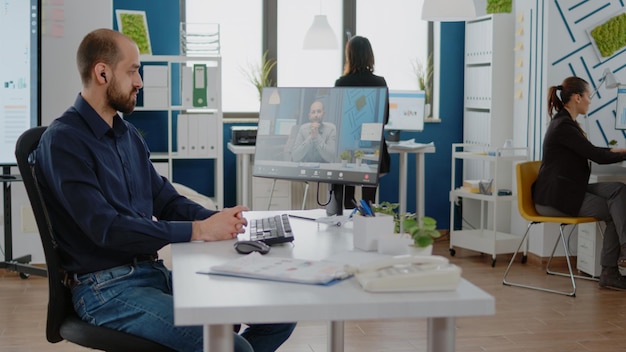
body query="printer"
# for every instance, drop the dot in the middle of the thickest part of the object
(243, 135)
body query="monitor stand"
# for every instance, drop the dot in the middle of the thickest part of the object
(335, 205)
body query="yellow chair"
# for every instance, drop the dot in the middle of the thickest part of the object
(526, 175)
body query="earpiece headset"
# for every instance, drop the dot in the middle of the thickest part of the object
(104, 76)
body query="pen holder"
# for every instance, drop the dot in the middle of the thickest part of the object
(367, 230)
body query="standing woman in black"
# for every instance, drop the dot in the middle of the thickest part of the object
(359, 72)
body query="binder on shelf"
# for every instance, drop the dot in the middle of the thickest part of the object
(182, 135)
(187, 87)
(208, 94)
(256, 266)
(199, 86)
(193, 134)
(155, 98)
(211, 87)
(155, 87)
(155, 76)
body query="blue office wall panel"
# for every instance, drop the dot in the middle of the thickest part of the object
(196, 174)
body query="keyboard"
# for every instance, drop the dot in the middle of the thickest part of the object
(271, 230)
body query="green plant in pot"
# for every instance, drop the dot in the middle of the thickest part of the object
(358, 154)
(259, 75)
(345, 155)
(423, 232)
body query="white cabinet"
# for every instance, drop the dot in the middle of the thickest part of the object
(491, 232)
(589, 249)
(488, 105)
(262, 191)
(188, 89)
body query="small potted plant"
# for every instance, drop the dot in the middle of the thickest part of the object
(424, 74)
(358, 154)
(423, 232)
(345, 156)
(418, 236)
(259, 75)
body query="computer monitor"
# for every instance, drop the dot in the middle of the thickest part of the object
(406, 113)
(20, 35)
(620, 112)
(331, 135)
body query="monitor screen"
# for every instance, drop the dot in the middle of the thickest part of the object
(620, 113)
(19, 72)
(406, 110)
(330, 135)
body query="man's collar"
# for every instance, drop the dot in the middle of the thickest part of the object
(95, 122)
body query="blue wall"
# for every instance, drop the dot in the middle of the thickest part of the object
(163, 21)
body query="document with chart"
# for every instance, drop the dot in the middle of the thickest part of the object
(257, 266)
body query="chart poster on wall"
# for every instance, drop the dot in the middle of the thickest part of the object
(620, 113)
(406, 110)
(19, 69)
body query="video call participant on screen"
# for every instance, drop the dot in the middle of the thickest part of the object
(562, 187)
(111, 211)
(359, 72)
(316, 140)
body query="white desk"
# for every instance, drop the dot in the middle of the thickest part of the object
(244, 154)
(419, 175)
(217, 302)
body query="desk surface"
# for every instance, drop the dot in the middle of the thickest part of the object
(204, 299)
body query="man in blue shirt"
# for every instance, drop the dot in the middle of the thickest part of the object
(111, 211)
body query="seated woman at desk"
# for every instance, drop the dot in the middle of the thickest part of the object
(562, 187)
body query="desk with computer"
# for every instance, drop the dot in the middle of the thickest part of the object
(356, 116)
(217, 302)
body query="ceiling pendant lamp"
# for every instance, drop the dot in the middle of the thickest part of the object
(320, 36)
(448, 10)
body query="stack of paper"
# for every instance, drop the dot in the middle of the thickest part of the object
(256, 266)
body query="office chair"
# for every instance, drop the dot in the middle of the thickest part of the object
(62, 322)
(527, 173)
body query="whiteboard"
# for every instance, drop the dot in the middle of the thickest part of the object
(60, 39)
(620, 113)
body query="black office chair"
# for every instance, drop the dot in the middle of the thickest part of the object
(63, 323)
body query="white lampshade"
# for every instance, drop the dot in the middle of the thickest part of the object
(320, 36)
(610, 80)
(448, 10)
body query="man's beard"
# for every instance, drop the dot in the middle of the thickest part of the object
(124, 103)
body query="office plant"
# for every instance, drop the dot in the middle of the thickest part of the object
(424, 73)
(259, 75)
(422, 232)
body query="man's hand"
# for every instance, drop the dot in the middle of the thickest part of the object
(224, 225)
(315, 129)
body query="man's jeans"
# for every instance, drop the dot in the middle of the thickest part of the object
(138, 299)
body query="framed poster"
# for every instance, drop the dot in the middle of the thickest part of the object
(135, 25)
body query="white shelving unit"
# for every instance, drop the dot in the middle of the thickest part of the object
(489, 70)
(205, 123)
(491, 235)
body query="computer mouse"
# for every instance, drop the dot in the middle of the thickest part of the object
(246, 247)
